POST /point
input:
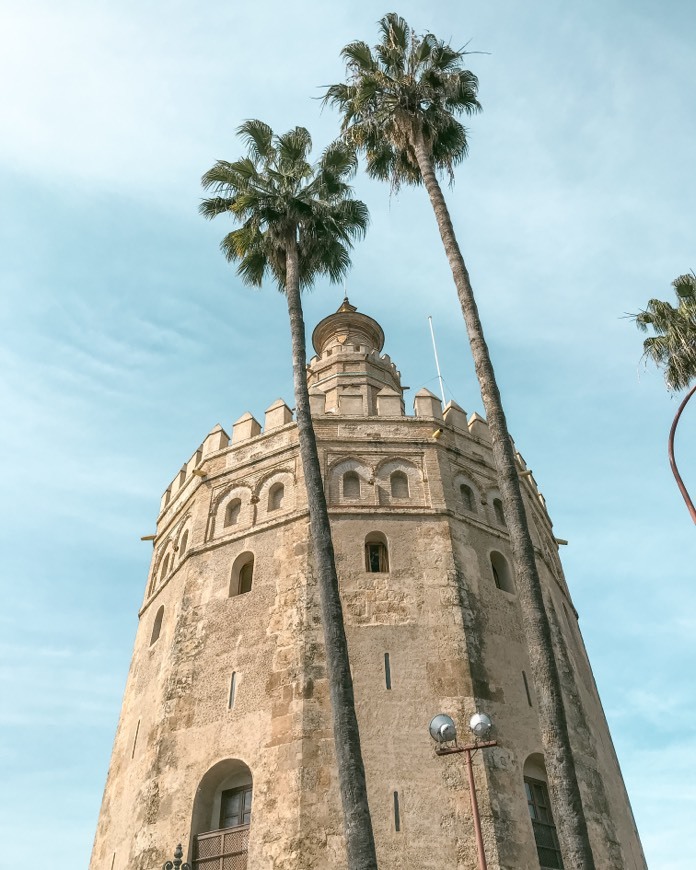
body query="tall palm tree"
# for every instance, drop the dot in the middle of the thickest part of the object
(673, 347)
(298, 221)
(400, 108)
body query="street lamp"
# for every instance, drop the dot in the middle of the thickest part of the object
(444, 731)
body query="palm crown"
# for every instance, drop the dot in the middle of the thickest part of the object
(409, 88)
(277, 195)
(673, 347)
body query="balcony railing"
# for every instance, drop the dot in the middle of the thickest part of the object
(225, 849)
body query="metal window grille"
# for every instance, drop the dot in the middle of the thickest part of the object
(222, 850)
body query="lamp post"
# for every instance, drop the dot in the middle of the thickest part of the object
(444, 731)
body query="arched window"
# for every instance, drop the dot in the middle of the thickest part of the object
(539, 805)
(399, 484)
(183, 544)
(222, 815)
(351, 485)
(466, 494)
(498, 511)
(501, 573)
(165, 568)
(232, 512)
(157, 625)
(376, 553)
(275, 497)
(242, 574)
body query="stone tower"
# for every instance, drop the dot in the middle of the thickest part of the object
(225, 739)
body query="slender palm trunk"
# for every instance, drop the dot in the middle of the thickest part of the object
(360, 842)
(563, 782)
(673, 462)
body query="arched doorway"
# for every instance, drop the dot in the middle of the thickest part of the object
(221, 817)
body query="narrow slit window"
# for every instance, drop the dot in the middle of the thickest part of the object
(387, 671)
(276, 496)
(233, 690)
(466, 494)
(113, 859)
(399, 485)
(498, 511)
(526, 689)
(351, 485)
(135, 739)
(232, 512)
(397, 813)
(242, 577)
(246, 576)
(165, 568)
(502, 576)
(183, 544)
(376, 554)
(157, 625)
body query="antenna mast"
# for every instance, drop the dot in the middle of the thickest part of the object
(437, 362)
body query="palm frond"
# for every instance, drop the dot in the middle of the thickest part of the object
(258, 137)
(673, 345)
(359, 55)
(407, 88)
(274, 193)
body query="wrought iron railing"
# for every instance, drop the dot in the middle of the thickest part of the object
(225, 849)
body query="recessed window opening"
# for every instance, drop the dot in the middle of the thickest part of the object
(165, 568)
(376, 553)
(501, 573)
(397, 813)
(242, 574)
(232, 512)
(351, 485)
(526, 689)
(183, 544)
(233, 690)
(545, 836)
(135, 739)
(466, 494)
(157, 625)
(221, 816)
(498, 511)
(276, 496)
(387, 671)
(399, 484)
(573, 637)
(235, 807)
(113, 859)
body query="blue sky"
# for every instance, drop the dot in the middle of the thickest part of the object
(126, 337)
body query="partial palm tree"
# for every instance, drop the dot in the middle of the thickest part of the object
(673, 348)
(298, 221)
(400, 107)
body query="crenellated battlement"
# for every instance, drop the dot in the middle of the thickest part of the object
(453, 430)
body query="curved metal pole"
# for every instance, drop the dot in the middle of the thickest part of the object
(672, 461)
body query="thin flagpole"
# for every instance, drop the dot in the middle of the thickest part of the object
(437, 362)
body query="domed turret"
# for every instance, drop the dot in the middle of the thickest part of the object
(348, 367)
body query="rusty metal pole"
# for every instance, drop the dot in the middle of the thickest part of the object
(672, 461)
(475, 813)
